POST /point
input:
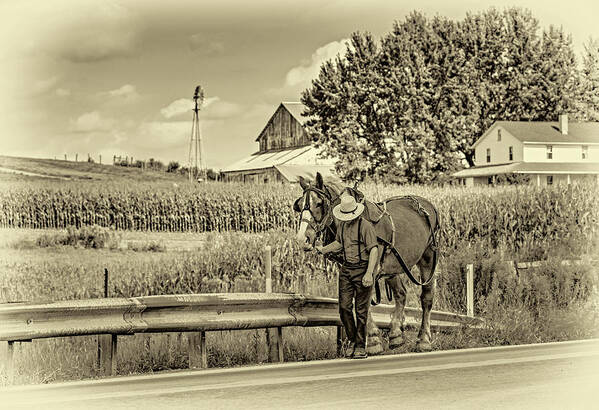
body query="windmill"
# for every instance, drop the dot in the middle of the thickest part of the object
(197, 161)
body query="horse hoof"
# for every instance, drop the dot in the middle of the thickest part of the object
(396, 342)
(423, 346)
(374, 349)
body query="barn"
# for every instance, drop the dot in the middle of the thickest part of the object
(285, 152)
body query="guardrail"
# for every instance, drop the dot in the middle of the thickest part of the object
(196, 313)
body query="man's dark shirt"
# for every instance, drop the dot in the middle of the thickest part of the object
(348, 237)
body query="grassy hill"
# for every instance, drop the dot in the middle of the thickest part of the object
(16, 168)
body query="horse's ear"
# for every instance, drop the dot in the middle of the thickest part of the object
(303, 183)
(319, 181)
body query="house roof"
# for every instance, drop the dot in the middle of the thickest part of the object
(294, 108)
(530, 168)
(548, 131)
(304, 156)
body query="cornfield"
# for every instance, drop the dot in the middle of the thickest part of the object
(515, 215)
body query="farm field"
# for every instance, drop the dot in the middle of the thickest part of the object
(170, 241)
(56, 170)
(229, 225)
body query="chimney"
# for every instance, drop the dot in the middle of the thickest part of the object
(563, 124)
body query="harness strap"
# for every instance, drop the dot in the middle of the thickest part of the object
(404, 266)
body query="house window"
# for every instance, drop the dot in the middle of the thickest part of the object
(549, 151)
(488, 154)
(585, 151)
(498, 135)
(549, 179)
(490, 180)
(511, 153)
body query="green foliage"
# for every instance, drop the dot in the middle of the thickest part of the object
(173, 166)
(513, 217)
(95, 237)
(410, 107)
(588, 105)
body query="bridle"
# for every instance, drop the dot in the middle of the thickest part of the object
(319, 227)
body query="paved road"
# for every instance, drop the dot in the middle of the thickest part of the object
(555, 375)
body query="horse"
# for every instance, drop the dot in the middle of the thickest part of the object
(406, 230)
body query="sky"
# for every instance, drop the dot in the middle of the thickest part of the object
(104, 77)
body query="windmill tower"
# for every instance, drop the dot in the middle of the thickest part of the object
(197, 161)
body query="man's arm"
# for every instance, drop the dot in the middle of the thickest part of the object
(331, 247)
(368, 279)
(369, 236)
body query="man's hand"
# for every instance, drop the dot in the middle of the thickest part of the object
(367, 280)
(319, 249)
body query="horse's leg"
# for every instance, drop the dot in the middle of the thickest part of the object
(373, 344)
(426, 300)
(398, 289)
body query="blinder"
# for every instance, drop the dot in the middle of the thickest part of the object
(317, 226)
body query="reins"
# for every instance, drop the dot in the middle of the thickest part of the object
(319, 226)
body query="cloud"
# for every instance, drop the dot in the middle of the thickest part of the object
(165, 134)
(177, 107)
(126, 93)
(200, 44)
(93, 31)
(43, 86)
(309, 69)
(91, 122)
(212, 108)
(63, 92)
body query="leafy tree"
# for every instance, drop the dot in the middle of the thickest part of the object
(172, 166)
(558, 76)
(588, 104)
(411, 108)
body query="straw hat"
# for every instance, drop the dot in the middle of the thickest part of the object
(348, 209)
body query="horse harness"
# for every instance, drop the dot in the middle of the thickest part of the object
(318, 227)
(388, 246)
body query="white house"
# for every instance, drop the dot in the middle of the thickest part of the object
(285, 152)
(547, 152)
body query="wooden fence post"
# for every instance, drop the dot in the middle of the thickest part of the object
(470, 290)
(274, 336)
(198, 355)
(107, 344)
(8, 361)
(107, 351)
(340, 329)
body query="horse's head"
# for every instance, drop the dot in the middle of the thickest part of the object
(315, 209)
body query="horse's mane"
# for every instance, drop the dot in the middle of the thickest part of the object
(336, 186)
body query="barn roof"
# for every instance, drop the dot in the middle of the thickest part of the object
(306, 156)
(294, 108)
(530, 168)
(548, 131)
(292, 172)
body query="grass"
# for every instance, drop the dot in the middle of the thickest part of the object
(549, 303)
(82, 170)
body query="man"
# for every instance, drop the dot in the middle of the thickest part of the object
(356, 237)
